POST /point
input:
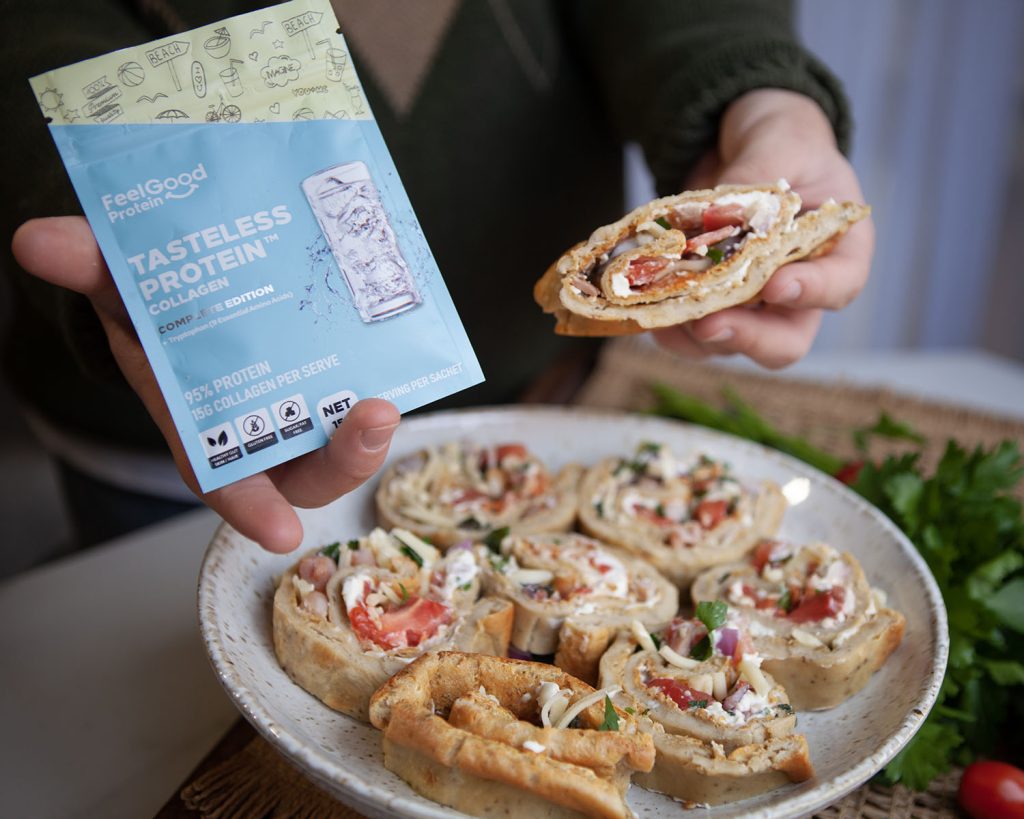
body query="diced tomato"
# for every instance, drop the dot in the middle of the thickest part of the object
(468, 496)
(818, 606)
(647, 513)
(710, 513)
(677, 221)
(709, 238)
(720, 216)
(681, 695)
(762, 555)
(410, 624)
(644, 269)
(511, 450)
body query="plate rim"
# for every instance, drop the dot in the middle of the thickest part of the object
(361, 795)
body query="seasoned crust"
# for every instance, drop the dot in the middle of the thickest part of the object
(327, 660)
(693, 771)
(737, 280)
(454, 725)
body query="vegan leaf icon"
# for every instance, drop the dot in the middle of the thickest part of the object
(211, 441)
(222, 439)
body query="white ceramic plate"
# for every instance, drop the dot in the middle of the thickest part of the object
(848, 744)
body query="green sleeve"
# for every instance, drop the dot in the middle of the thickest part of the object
(669, 68)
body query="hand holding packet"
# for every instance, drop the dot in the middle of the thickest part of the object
(256, 229)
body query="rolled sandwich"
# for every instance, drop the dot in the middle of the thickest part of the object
(728, 726)
(349, 616)
(462, 490)
(500, 737)
(572, 594)
(682, 515)
(810, 612)
(682, 257)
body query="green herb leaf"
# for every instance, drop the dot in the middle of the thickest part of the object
(698, 703)
(701, 649)
(405, 594)
(712, 614)
(1005, 672)
(332, 550)
(353, 545)
(466, 586)
(886, 427)
(611, 719)
(785, 708)
(716, 254)
(493, 539)
(786, 602)
(629, 710)
(659, 510)
(655, 639)
(412, 554)
(925, 757)
(661, 220)
(1008, 604)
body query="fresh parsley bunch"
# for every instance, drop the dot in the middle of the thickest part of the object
(969, 528)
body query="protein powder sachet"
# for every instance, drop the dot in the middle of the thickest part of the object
(259, 235)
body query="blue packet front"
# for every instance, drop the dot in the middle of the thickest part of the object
(258, 233)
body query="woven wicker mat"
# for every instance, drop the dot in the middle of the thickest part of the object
(257, 781)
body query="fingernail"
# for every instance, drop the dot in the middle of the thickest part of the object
(791, 292)
(722, 335)
(376, 437)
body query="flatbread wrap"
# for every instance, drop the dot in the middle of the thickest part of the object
(682, 257)
(492, 737)
(683, 514)
(811, 613)
(349, 616)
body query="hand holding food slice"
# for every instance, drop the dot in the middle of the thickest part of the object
(500, 737)
(349, 616)
(728, 726)
(682, 514)
(461, 490)
(810, 612)
(572, 594)
(682, 257)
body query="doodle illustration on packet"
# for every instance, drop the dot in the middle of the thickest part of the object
(167, 145)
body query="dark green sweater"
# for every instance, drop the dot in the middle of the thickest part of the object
(510, 152)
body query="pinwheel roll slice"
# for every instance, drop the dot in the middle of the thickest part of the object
(572, 594)
(728, 728)
(350, 615)
(682, 257)
(682, 514)
(462, 490)
(501, 737)
(810, 612)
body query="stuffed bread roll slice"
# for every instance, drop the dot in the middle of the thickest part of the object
(501, 737)
(461, 490)
(699, 677)
(682, 257)
(810, 612)
(349, 616)
(683, 515)
(572, 594)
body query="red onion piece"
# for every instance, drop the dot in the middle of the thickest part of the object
(727, 639)
(733, 700)
(466, 545)
(518, 653)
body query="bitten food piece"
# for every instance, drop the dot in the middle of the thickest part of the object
(461, 490)
(728, 726)
(809, 611)
(682, 515)
(492, 737)
(350, 615)
(572, 594)
(682, 257)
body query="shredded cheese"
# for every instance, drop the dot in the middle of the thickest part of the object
(580, 705)
(642, 636)
(750, 670)
(806, 638)
(677, 659)
(427, 553)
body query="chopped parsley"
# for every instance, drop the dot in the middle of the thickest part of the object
(499, 563)
(786, 601)
(648, 448)
(716, 254)
(698, 703)
(412, 554)
(353, 545)
(465, 586)
(332, 550)
(701, 649)
(611, 719)
(599, 508)
(661, 220)
(405, 593)
(493, 539)
(659, 510)
(470, 523)
(712, 614)
(629, 710)
(784, 708)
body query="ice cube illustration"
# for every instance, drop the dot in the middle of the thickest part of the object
(349, 211)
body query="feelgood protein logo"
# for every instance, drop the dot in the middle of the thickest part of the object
(152, 193)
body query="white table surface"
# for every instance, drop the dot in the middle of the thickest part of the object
(108, 700)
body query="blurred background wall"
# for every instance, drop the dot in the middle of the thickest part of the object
(938, 100)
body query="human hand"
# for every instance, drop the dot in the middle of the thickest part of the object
(63, 251)
(767, 134)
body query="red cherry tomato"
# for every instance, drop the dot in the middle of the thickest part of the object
(849, 472)
(992, 790)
